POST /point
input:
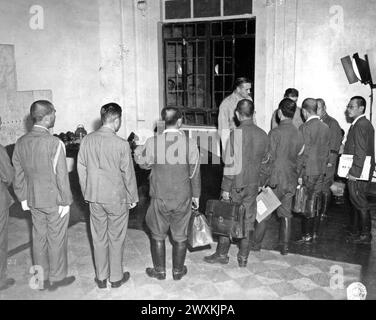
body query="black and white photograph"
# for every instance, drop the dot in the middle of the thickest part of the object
(187, 156)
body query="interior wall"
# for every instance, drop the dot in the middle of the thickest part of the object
(304, 42)
(64, 56)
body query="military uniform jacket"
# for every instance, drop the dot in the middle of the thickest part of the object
(248, 148)
(174, 160)
(6, 179)
(105, 168)
(285, 144)
(41, 175)
(360, 143)
(316, 139)
(335, 137)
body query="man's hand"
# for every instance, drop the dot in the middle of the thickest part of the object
(225, 195)
(24, 205)
(351, 178)
(63, 210)
(300, 181)
(195, 203)
(132, 205)
(329, 165)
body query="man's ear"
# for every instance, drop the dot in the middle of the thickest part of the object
(237, 114)
(279, 113)
(179, 122)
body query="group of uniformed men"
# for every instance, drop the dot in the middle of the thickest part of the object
(293, 153)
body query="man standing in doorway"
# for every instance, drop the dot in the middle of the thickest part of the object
(359, 144)
(108, 183)
(242, 90)
(42, 186)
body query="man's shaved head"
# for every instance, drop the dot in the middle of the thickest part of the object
(39, 109)
(310, 105)
(171, 115)
(245, 108)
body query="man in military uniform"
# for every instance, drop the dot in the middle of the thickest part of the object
(360, 143)
(313, 164)
(108, 183)
(285, 146)
(42, 186)
(335, 144)
(248, 144)
(226, 120)
(297, 120)
(6, 179)
(175, 187)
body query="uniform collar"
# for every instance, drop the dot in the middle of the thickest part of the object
(107, 129)
(324, 116)
(40, 128)
(247, 122)
(361, 116)
(313, 117)
(286, 121)
(172, 130)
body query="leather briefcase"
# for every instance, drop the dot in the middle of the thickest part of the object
(300, 199)
(226, 218)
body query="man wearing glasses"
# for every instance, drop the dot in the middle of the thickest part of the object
(360, 143)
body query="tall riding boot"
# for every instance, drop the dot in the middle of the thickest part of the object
(366, 225)
(158, 254)
(258, 235)
(220, 255)
(179, 251)
(326, 197)
(243, 253)
(353, 227)
(285, 233)
(307, 230)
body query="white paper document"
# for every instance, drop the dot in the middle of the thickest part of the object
(345, 163)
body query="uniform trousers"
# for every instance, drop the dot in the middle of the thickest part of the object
(108, 224)
(357, 193)
(286, 198)
(328, 179)
(50, 242)
(4, 218)
(172, 214)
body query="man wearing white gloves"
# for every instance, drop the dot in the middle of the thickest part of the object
(42, 185)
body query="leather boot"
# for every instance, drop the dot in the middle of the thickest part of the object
(220, 255)
(258, 235)
(307, 231)
(244, 250)
(352, 229)
(179, 251)
(366, 225)
(285, 232)
(326, 198)
(158, 254)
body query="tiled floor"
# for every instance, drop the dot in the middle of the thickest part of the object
(268, 276)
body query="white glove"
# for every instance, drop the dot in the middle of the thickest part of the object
(132, 205)
(63, 210)
(24, 205)
(225, 195)
(195, 203)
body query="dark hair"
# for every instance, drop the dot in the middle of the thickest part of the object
(360, 101)
(110, 111)
(287, 107)
(39, 109)
(246, 108)
(240, 81)
(310, 105)
(291, 92)
(170, 115)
